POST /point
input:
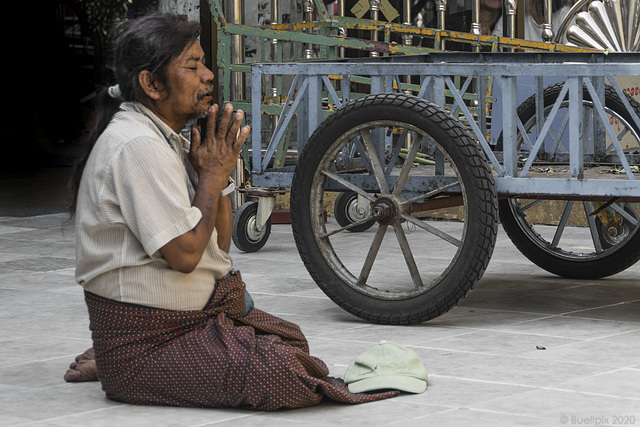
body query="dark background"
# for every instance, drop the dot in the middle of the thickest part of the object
(55, 55)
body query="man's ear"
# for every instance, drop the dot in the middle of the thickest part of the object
(150, 85)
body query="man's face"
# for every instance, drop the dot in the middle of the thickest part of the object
(190, 88)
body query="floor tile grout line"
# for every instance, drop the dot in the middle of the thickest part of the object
(116, 404)
(66, 356)
(287, 295)
(236, 418)
(519, 356)
(536, 387)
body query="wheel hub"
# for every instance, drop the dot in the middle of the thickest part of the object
(613, 231)
(356, 212)
(253, 232)
(385, 210)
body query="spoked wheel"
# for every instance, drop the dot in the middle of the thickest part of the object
(434, 225)
(601, 245)
(347, 209)
(604, 238)
(247, 235)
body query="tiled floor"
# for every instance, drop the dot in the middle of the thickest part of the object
(525, 348)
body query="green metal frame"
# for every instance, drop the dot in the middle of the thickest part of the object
(324, 33)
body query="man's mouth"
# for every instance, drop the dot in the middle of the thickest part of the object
(206, 94)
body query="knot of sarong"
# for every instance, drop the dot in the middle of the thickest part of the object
(228, 297)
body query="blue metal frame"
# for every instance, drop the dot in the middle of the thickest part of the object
(304, 102)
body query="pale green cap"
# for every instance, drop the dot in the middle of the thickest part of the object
(387, 366)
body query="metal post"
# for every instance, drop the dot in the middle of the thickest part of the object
(406, 19)
(509, 125)
(308, 17)
(547, 27)
(274, 57)
(511, 7)
(342, 32)
(407, 39)
(237, 79)
(237, 88)
(441, 9)
(375, 8)
(274, 45)
(476, 28)
(576, 148)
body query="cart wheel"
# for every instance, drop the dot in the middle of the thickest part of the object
(246, 235)
(347, 211)
(435, 225)
(610, 241)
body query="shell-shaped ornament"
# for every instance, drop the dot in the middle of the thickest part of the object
(612, 25)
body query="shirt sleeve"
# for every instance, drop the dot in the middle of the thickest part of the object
(153, 191)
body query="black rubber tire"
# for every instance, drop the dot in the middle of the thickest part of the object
(480, 205)
(245, 237)
(566, 263)
(342, 208)
(527, 110)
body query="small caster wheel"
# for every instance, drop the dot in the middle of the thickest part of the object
(246, 235)
(347, 211)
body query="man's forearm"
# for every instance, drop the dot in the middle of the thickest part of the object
(224, 223)
(184, 252)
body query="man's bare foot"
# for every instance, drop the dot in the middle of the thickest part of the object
(83, 369)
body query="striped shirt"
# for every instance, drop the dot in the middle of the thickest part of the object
(135, 196)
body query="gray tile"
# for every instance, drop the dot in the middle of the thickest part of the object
(483, 364)
(385, 412)
(141, 416)
(527, 372)
(53, 402)
(452, 392)
(563, 406)
(622, 383)
(497, 343)
(465, 417)
(592, 352)
(572, 327)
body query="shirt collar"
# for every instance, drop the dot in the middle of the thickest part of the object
(176, 140)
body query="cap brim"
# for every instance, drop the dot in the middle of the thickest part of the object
(402, 383)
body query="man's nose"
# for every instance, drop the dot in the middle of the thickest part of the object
(207, 75)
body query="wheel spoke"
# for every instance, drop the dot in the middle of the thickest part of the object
(371, 255)
(404, 136)
(433, 192)
(431, 229)
(620, 211)
(349, 185)
(562, 224)
(593, 227)
(372, 154)
(521, 209)
(345, 228)
(408, 255)
(406, 166)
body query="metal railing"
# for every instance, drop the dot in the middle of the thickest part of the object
(305, 105)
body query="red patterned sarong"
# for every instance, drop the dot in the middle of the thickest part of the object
(209, 358)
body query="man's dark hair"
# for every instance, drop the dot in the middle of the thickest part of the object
(147, 43)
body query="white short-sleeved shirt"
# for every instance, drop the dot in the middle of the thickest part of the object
(135, 196)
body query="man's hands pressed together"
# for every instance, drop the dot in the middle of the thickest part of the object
(219, 151)
(213, 158)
